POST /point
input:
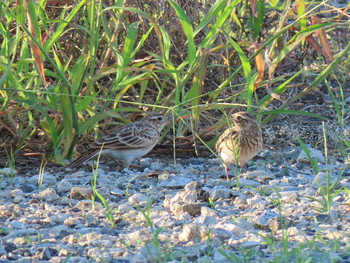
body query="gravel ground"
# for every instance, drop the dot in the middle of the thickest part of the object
(183, 211)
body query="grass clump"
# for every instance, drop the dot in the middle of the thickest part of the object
(68, 70)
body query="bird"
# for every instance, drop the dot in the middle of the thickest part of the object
(127, 142)
(240, 143)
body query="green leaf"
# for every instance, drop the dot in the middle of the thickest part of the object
(129, 43)
(222, 18)
(62, 26)
(188, 30)
(214, 11)
(77, 74)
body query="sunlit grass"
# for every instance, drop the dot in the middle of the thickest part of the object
(69, 71)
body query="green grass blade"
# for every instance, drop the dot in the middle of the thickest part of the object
(148, 17)
(188, 30)
(130, 40)
(222, 18)
(78, 73)
(273, 113)
(214, 11)
(265, 101)
(62, 26)
(321, 77)
(294, 42)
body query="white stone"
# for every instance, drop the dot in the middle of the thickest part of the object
(192, 232)
(246, 182)
(314, 154)
(138, 199)
(64, 186)
(49, 195)
(219, 192)
(8, 171)
(322, 177)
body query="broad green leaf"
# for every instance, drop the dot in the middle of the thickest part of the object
(78, 73)
(129, 43)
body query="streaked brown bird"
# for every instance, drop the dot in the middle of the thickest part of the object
(240, 143)
(128, 142)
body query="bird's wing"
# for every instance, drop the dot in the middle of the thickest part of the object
(134, 135)
(229, 137)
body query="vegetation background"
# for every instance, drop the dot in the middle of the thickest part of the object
(72, 69)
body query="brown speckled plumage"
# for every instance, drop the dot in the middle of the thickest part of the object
(127, 142)
(240, 143)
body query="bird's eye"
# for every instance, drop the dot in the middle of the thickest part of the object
(238, 117)
(159, 118)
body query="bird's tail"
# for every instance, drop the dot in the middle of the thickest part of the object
(82, 158)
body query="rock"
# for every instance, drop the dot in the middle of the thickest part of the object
(80, 193)
(185, 201)
(263, 220)
(324, 219)
(28, 188)
(49, 195)
(59, 231)
(137, 237)
(258, 175)
(277, 157)
(257, 202)
(219, 192)
(206, 211)
(17, 195)
(8, 172)
(138, 199)
(244, 225)
(72, 221)
(125, 208)
(156, 166)
(192, 232)
(22, 232)
(221, 234)
(150, 253)
(322, 177)
(277, 223)
(45, 179)
(175, 182)
(99, 255)
(44, 254)
(2, 250)
(250, 244)
(314, 154)
(17, 225)
(181, 208)
(207, 220)
(183, 225)
(245, 182)
(64, 186)
(79, 174)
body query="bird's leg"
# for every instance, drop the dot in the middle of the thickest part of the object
(138, 165)
(245, 168)
(227, 175)
(127, 164)
(135, 166)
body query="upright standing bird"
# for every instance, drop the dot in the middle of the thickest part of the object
(239, 144)
(127, 142)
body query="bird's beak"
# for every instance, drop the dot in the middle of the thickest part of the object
(180, 118)
(169, 119)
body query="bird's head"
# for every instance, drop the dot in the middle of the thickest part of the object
(243, 119)
(159, 121)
